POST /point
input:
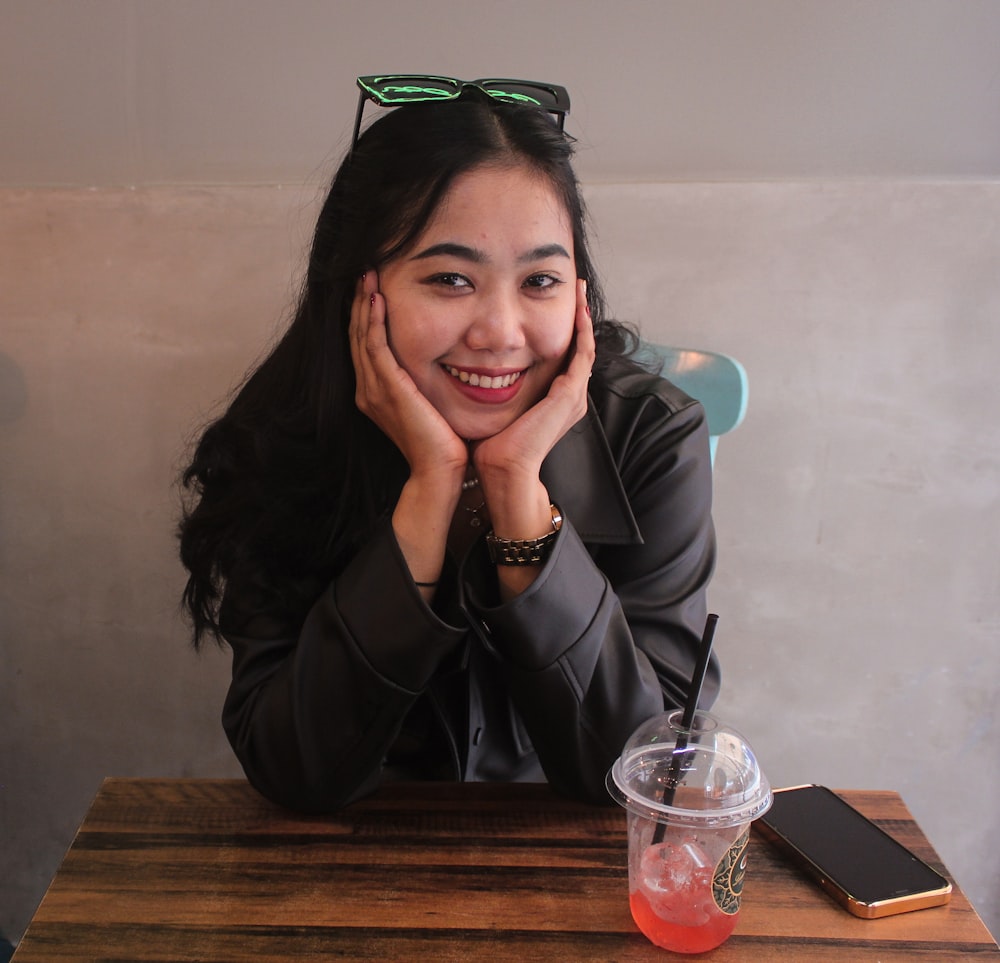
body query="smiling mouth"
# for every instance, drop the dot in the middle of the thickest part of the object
(483, 381)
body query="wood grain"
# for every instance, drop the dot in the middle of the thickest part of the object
(207, 869)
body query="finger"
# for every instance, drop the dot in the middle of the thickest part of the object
(371, 285)
(584, 322)
(375, 343)
(584, 349)
(358, 308)
(364, 287)
(360, 336)
(367, 331)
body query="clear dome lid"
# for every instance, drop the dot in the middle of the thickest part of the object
(706, 775)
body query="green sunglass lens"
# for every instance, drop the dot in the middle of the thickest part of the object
(532, 95)
(396, 93)
(532, 99)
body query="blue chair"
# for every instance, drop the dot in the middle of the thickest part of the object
(716, 380)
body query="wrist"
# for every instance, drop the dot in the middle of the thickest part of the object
(434, 491)
(420, 522)
(519, 508)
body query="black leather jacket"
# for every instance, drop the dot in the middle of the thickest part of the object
(376, 683)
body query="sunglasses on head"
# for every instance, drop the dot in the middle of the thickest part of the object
(395, 90)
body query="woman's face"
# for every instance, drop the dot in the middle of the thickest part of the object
(481, 307)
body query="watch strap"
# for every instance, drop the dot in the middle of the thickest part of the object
(524, 551)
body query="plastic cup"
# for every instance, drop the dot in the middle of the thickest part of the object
(690, 794)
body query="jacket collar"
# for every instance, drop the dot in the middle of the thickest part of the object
(582, 479)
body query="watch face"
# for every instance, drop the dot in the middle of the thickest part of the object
(557, 518)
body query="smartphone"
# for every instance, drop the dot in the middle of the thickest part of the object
(860, 866)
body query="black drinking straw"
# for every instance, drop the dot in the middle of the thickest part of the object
(698, 679)
(687, 720)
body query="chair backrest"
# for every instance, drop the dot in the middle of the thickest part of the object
(716, 380)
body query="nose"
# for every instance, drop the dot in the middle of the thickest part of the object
(497, 324)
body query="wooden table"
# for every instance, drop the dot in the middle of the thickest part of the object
(192, 869)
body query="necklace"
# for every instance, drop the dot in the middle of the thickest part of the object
(470, 483)
(475, 521)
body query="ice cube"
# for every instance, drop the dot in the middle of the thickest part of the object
(676, 878)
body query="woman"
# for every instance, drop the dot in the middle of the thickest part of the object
(448, 529)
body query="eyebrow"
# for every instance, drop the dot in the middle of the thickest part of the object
(466, 253)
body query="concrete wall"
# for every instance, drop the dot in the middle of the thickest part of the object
(857, 507)
(118, 92)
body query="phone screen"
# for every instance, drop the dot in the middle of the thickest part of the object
(848, 849)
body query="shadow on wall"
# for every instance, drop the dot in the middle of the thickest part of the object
(13, 401)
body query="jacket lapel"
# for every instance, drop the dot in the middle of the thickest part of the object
(582, 479)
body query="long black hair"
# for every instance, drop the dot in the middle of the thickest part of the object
(288, 483)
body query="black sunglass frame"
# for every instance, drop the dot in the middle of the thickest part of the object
(369, 88)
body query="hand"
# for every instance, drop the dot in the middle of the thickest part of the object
(436, 455)
(388, 395)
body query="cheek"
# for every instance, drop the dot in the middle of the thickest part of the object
(398, 334)
(552, 337)
(422, 345)
(411, 332)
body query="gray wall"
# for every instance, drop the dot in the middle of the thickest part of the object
(844, 248)
(260, 91)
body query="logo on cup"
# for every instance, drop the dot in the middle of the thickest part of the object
(727, 885)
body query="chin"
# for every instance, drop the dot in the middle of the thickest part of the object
(479, 429)
(479, 434)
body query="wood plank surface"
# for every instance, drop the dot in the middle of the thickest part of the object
(208, 870)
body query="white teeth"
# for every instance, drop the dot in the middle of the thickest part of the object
(483, 381)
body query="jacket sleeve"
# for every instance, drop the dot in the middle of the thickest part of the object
(607, 636)
(311, 711)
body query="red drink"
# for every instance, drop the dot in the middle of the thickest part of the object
(677, 936)
(681, 900)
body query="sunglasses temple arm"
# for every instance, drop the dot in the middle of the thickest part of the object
(362, 97)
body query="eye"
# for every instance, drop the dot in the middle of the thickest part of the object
(542, 282)
(449, 280)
